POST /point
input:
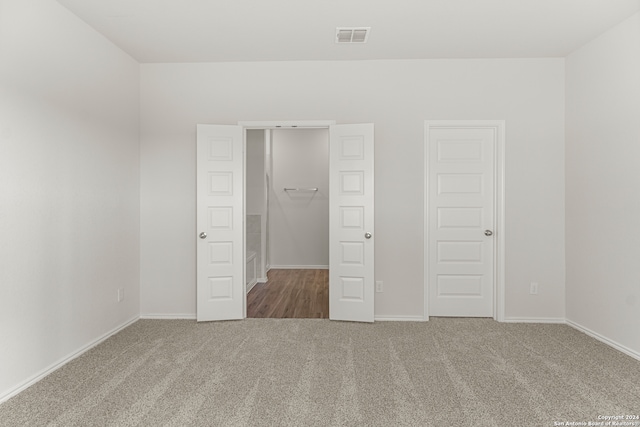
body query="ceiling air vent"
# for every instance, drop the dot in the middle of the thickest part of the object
(352, 34)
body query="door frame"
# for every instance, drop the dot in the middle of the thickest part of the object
(499, 208)
(266, 125)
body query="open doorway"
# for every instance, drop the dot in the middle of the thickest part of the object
(287, 222)
(221, 220)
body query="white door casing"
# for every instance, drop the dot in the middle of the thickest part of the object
(351, 222)
(464, 184)
(220, 223)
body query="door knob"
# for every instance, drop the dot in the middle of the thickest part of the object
(488, 233)
(203, 235)
(367, 235)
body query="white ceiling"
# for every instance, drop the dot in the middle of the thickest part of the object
(268, 30)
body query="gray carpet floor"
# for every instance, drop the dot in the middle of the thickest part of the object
(304, 372)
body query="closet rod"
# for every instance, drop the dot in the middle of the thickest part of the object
(301, 189)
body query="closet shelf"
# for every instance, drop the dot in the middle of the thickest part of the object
(301, 189)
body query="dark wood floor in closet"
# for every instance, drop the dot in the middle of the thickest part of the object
(301, 294)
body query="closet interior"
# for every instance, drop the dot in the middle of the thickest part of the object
(287, 223)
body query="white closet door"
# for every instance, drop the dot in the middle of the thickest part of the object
(461, 220)
(220, 222)
(351, 239)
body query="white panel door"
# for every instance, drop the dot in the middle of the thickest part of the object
(219, 219)
(461, 220)
(351, 225)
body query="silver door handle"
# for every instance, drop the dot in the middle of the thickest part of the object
(488, 233)
(367, 235)
(203, 235)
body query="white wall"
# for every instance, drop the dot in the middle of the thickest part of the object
(255, 179)
(299, 221)
(603, 185)
(256, 195)
(395, 95)
(69, 193)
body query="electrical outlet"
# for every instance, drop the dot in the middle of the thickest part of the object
(533, 289)
(379, 286)
(120, 294)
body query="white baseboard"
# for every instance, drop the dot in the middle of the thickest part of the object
(601, 338)
(60, 363)
(557, 320)
(172, 316)
(262, 280)
(250, 285)
(398, 319)
(299, 267)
